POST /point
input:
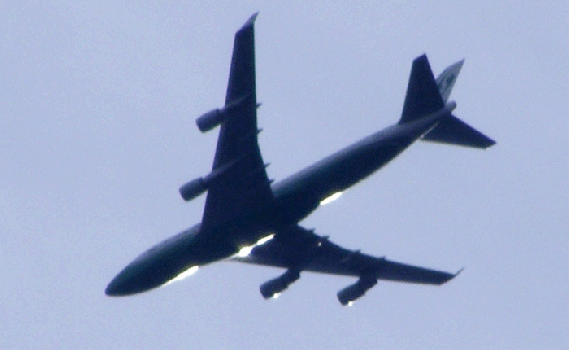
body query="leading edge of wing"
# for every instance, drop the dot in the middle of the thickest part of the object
(306, 251)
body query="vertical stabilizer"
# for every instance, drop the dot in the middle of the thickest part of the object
(445, 81)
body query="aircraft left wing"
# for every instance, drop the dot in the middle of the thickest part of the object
(241, 182)
(298, 249)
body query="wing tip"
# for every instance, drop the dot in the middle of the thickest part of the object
(251, 20)
(451, 276)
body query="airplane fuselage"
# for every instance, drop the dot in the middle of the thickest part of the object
(295, 198)
(249, 219)
(300, 194)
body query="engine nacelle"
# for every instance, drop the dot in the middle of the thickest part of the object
(275, 286)
(193, 189)
(347, 295)
(213, 118)
(198, 186)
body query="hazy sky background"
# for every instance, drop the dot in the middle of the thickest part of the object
(97, 108)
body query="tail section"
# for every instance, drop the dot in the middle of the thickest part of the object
(445, 81)
(426, 95)
(454, 131)
(423, 95)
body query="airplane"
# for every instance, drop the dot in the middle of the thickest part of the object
(248, 218)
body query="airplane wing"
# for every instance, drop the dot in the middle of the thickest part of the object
(242, 183)
(300, 249)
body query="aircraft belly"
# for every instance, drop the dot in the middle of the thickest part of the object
(303, 192)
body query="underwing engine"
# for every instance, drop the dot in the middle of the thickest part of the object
(352, 292)
(196, 187)
(213, 118)
(275, 286)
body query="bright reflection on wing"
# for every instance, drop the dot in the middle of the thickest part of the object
(331, 198)
(265, 239)
(245, 251)
(183, 275)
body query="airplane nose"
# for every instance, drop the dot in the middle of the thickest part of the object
(131, 280)
(156, 266)
(149, 271)
(112, 290)
(117, 287)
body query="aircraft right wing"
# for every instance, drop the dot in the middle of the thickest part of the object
(298, 249)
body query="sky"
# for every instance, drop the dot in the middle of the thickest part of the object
(97, 107)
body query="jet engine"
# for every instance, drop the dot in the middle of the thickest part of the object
(196, 187)
(275, 286)
(213, 118)
(193, 189)
(352, 292)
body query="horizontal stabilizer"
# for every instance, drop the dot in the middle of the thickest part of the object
(423, 96)
(454, 131)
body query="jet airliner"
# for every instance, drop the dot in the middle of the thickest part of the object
(250, 219)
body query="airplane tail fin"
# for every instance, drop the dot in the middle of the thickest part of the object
(426, 95)
(445, 81)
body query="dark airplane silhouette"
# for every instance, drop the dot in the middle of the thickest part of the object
(249, 219)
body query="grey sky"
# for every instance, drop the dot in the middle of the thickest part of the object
(97, 108)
